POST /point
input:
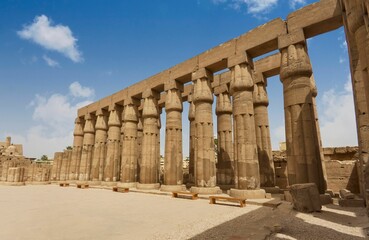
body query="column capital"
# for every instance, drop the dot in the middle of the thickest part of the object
(132, 101)
(295, 62)
(89, 125)
(241, 78)
(354, 10)
(78, 129)
(295, 37)
(100, 121)
(260, 95)
(114, 119)
(239, 58)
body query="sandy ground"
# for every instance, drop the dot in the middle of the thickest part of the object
(51, 212)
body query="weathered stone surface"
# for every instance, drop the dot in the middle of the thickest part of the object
(346, 194)
(305, 197)
(326, 199)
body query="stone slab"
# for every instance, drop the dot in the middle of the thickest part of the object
(206, 190)
(148, 186)
(305, 197)
(248, 194)
(172, 188)
(351, 202)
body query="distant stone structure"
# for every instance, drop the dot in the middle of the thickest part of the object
(117, 139)
(15, 169)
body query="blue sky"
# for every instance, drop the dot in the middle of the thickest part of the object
(56, 56)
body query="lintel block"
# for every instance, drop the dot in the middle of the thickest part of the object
(294, 37)
(202, 73)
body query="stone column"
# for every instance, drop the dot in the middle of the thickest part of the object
(101, 128)
(304, 160)
(129, 151)
(112, 147)
(205, 171)
(87, 150)
(173, 163)
(225, 166)
(263, 141)
(77, 149)
(247, 177)
(158, 155)
(139, 144)
(148, 170)
(356, 22)
(192, 145)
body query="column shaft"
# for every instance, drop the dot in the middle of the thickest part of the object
(225, 166)
(77, 150)
(148, 173)
(192, 145)
(263, 141)
(112, 147)
(129, 151)
(173, 173)
(87, 150)
(205, 171)
(245, 148)
(99, 148)
(303, 154)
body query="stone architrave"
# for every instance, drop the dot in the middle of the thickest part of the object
(304, 161)
(247, 179)
(205, 170)
(192, 145)
(149, 168)
(87, 150)
(263, 141)
(225, 166)
(77, 150)
(173, 158)
(129, 151)
(112, 146)
(101, 128)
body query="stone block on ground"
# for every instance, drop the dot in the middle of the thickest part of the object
(287, 196)
(351, 202)
(326, 199)
(305, 197)
(346, 194)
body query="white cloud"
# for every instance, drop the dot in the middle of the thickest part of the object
(254, 6)
(56, 38)
(50, 62)
(278, 136)
(337, 117)
(79, 91)
(295, 3)
(342, 59)
(54, 123)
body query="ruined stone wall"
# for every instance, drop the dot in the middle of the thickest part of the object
(341, 168)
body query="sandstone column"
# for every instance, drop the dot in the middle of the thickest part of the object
(129, 151)
(112, 146)
(205, 171)
(263, 141)
(247, 177)
(77, 149)
(303, 154)
(356, 22)
(139, 144)
(87, 150)
(192, 145)
(173, 166)
(100, 147)
(148, 170)
(225, 166)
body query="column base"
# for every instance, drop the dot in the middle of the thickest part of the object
(13, 183)
(172, 188)
(248, 194)
(127, 184)
(148, 186)
(226, 187)
(109, 184)
(206, 190)
(94, 183)
(38, 183)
